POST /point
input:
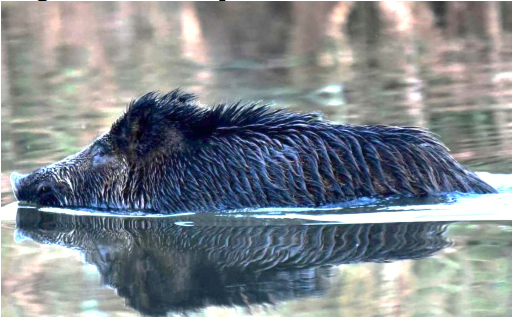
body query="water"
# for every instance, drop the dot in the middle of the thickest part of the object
(441, 256)
(69, 69)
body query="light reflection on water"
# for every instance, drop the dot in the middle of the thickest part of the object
(69, 69)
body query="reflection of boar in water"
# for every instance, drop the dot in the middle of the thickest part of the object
(160, 267)
(168, 154)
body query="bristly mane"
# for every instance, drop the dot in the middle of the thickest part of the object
(249, 155)
(199, 121)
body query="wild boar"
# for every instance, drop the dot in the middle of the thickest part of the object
(168, 154)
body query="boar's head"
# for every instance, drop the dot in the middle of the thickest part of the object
(138, 164)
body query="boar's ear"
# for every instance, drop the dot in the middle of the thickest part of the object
(146, 128)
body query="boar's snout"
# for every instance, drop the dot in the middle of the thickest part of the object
(16, 183)
(27, 189)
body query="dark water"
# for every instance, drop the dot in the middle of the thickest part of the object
(69, 69)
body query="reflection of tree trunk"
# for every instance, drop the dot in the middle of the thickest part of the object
(472, 88)
(247, 43)
(49, 33)
(5, 78)
(234, 31)
(9, 147)
(506, 15)
(362, 28)
(502, 117)
(466, 18)
(193, 45)
(409, 22)
(393, 288)
(308, 37)
(385, 38)
(310, 21)
(22, 65)
(357, 290)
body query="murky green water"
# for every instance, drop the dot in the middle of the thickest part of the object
(69, 69)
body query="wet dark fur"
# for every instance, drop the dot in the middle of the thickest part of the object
(234, 156)
(179, 156)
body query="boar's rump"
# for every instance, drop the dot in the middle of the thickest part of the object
(167, 154)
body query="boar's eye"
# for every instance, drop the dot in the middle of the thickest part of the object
(46, 194)
(98, 151)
